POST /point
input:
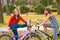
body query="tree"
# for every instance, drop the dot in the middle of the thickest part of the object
(13, 2)
(1, 13)
(20, 2)
(46, 2)
(58, 5)
(29, 2)
(8, 9)
(37, 2)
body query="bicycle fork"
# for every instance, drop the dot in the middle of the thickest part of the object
(30, 38)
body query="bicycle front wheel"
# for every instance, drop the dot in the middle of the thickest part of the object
(5, 37)
(34, 36)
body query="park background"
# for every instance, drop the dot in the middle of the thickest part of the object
(29, 9)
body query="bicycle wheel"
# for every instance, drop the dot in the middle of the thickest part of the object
(34, 36)
(5, 37)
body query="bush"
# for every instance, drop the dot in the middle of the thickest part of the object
(12, 7)
(39, 9)
(31, 10)
(45, 2)
(24, 9)
(5, 8)
(54, 7)
(20, 2)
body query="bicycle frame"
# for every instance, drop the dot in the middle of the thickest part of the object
(43, 34)
(27, 32)
(39, 32)
(24, 34)
(46, 36)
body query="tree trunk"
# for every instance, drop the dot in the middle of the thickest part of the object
(13, 2)
(37, 2)
(2, 2)
(29, 2)
(58, 5)
(1, 13)
(8, 9)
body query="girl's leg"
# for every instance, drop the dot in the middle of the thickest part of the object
(16, 34)
(55, 32)
(45, 29)
(45, 26)
(14, 30)
(15, 26)
(22, 25)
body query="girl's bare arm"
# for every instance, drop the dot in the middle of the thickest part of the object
(45, 20)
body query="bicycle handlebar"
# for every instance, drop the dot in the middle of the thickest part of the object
(29, 23)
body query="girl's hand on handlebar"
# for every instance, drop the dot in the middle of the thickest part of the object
(29, 27)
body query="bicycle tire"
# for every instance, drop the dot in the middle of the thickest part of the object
(2, 37)
(33, 35)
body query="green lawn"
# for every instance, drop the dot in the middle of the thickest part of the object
(32, 17)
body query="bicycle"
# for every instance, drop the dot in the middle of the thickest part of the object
(43, 35)
(27, 35)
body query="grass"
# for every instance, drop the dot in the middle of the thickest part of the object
(32, 17)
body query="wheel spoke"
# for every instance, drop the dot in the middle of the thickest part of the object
(5, 37)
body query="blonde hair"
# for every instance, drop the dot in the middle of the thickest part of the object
(18, 13)
(17, 10)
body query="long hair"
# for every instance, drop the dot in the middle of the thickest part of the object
(49, 11)
(18, 16)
